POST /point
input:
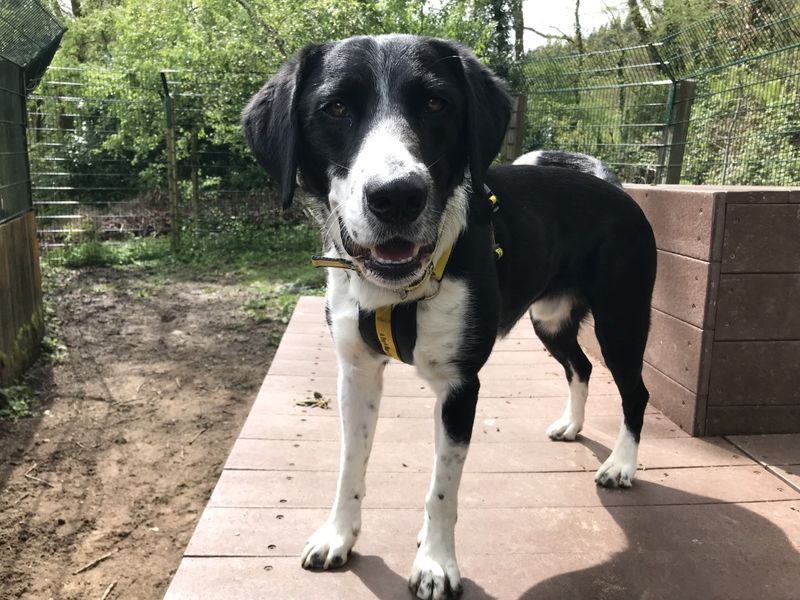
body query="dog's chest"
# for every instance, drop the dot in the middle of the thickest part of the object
(430, 335)
(441, 328)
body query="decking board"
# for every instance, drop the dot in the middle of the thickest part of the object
(703, 520)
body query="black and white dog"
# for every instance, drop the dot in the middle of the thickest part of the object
(393, 137)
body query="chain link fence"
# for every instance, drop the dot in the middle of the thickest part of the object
(715, 103)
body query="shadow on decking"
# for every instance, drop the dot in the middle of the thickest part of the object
(695, 548)
(698, 549)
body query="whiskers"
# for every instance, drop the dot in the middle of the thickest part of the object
(330, 227)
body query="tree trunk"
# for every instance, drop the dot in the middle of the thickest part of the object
(519, 28)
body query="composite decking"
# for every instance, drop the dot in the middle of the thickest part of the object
(707, 518)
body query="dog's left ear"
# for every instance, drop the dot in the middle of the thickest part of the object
(271, 126)
(488, 114)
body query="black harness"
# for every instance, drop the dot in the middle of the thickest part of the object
(392, 330)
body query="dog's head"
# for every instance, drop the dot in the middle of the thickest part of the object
(382, 132)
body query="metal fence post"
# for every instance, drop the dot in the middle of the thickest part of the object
(676, 131)
(195, 182)
(512, 143)
(172, 166)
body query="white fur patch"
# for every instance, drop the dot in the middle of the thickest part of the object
(619, 468)
(551, 314)
(571, 422)
(384, 156)
(440, 333)
(531, 158)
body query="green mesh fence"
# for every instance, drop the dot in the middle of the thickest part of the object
(29, 36)
(739, 124)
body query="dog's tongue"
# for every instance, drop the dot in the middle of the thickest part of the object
(395, 249)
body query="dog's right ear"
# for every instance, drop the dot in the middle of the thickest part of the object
(271, 125)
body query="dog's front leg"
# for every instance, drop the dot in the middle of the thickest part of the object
(359, 388)
(435, 573)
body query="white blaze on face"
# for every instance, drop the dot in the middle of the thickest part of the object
(384, 156)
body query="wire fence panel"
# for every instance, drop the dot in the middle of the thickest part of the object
(220, 186)
(99, 161)
(739, 124)
(612, 104)
(89, 174)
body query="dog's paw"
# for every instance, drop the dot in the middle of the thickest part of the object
(435, 578)
(617, 471)
(564, 429)
(329, 547)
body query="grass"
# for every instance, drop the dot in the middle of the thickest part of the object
(16, 402)
(272, 259)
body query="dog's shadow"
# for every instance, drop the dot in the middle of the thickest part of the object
(692, 548)
(689, 547)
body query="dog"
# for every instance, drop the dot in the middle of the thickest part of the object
(570, 160)
(392, 137)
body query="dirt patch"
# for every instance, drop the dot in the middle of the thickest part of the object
(132, 431)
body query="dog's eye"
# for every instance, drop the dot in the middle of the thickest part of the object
(435, 104)
(336, 109)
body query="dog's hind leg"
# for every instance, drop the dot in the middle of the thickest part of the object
(622, 335)
(557, 328)
(359, 388)
(435, 573)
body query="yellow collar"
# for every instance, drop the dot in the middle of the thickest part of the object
(436, 270)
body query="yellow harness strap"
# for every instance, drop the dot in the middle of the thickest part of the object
(383, 327)
(332, 261)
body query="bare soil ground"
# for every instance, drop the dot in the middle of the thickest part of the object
(131, 432)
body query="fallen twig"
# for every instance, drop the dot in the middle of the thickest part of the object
(34, 478)
(197, 435)
(108, 590)
(95, 562)
(20, 499)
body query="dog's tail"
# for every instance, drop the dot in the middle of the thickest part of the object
(570, 160)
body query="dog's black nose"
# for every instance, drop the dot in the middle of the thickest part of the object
(398, 200)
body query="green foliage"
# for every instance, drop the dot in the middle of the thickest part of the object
(614, 100)
(16, 402)
(52, 342)
(94, 253)
(240, 243)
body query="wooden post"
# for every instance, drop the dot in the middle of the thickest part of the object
(195, 182)
(512, 143)
(172, 166)
(676, 131)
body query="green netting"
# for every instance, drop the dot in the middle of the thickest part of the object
(29, 36)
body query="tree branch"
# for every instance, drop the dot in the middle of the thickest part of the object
(268, 29)
(550, 36)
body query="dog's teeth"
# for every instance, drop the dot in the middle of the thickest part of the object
(386, 261)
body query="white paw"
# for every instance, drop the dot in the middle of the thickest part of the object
(329, 547)
(616, 472)
(435, 577)
(564, 429)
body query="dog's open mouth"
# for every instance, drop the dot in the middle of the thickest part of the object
(395, 260)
